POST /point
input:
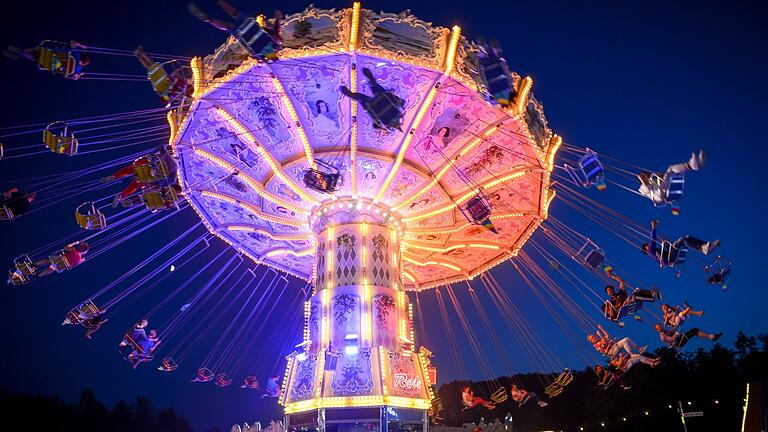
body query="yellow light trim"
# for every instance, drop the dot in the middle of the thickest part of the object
(353, 32)
(254, 209)
(242, 132)
(365, 325)
(428, 263)
(198, 86)
(292, 112)
(169, 116)
(746, 406)
(554, 145)
(409, 276)
(433, 248)
(545, 210)
(271, 235)
(356, 401)
(484, 246)
(522, 94)
(353, 136)
(299, 253)
(448, 166)
(450, 59)
(383, 369)
(250, 181)
(261, 20)
(468, 195)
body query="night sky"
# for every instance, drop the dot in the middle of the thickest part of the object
(644, 82)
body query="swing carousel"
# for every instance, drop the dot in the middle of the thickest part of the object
(373, 156)
(316, 190)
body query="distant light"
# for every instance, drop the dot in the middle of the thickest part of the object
(623, 419)
(301, 356)
(351, 350)
(602, 424)
(647, 413)
(173, 267)
(689, 402)
(717, 401)
(581, 428)
(669, 406)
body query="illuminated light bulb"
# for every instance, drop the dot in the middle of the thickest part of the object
(349, 205)
(717, 401)
(647, 413)
(602, 424)
(173, 267)
(623, 419)
(689, 402)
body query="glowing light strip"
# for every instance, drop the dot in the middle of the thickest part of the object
(169, 116)
(450, 58)
(353, 136)
(522, 94)
(252, 208)
(746, 406)
(261, 20)
(465, 149)
(364, 323)
(383, 370)
(554, 145)
(426, 103)
(468, 195)
(409, 276)
(452, 247)
(271, 235)
(242, 132)
(250, 181)
(292, 112)
(356, 401)
(282, 251)
(354, 28)
(428, 263)
(198, 86)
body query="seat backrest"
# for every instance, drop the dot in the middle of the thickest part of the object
(6, 213)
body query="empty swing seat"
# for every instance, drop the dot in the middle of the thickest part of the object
(553, 389)
(203, 375)
(564, 378)
(499, 396)
(23, 270)
(671, 255)
(478, 209)
(170, 86)
(56, 139)
(255, 40)
(588, 171)
(718, 271)
(6, 214)
(168, 365)
(590, 255)
(250, 382)
(89, 217)
(223, 380)
(630, 307)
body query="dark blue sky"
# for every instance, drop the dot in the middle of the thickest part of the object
(645, 82)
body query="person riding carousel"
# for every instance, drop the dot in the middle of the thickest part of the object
(522, 397)
(606, 377)
(95, 323)
(624, 361)
(272, 389)
(674, 316)
(655, 186)
(164, 169)
(470, 401)
(384, 107)
(72, 254)
(34, 54)
(675, 339)
(619, 298)
(669, 253)
(17, 202)
(170, 86)
(241, 28)
(607, 346)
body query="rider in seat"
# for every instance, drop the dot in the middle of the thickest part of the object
(171, 87)
(72, 253)
(674, 316)
(667, 253)
(675, 339)
(384, 107)
(164, 169)
(619, 298)
(655, 186)
(15, 203)
(61, 51)
(607, 346)
(272, 389)
(470, 400)
(522, 397)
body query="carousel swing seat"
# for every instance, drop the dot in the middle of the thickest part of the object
(150, 169)
(553, 389)
(256, 40)
(672, 256)
(59, 140)
(324, 179)
(385, 110)
(590, 255)
(170, 86)
(168, 365)
(23, 271)
(59, 261)
(223, 380)
(250, 382)
(718, 271)
(59, 59)
(477, 209)
(6, 214)
(499, 396)
(82, 312)
(672, 186)
(630, 307)
(159, 198)
(564, 378)
(89, 217)
(497, 80)
(132, 349)
(204, 375)
(588, 171)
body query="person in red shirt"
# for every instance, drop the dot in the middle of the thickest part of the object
(72, 252)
